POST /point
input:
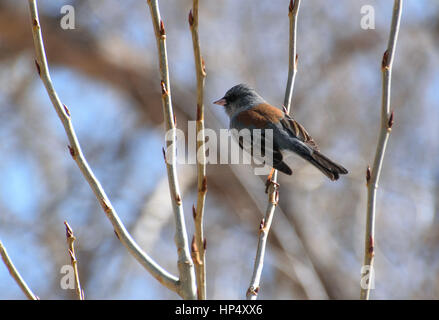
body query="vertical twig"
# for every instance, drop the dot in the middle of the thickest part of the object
(14, 274)
(187, 286)
(200, 247)
(273, 192)
(373, 176)
(70, 241)
(168, 280)
(293, 10)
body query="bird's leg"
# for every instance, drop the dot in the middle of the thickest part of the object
(270, 181)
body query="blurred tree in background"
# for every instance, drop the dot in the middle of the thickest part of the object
(106, 71)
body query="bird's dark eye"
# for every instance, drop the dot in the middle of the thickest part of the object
(231, 98)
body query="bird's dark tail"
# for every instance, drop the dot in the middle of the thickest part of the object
(331, 169)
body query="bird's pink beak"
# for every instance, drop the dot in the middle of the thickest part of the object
(221, 102)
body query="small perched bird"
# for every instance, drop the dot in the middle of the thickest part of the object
(248, 110)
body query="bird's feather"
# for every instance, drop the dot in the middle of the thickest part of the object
(288, 135)
(298, 131)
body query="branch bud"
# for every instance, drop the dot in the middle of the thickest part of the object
(191, 18)
(253, 291)
(72, 152)
(162, 30)
(203, 67)
(262, 224)
(368, 174)
(69, 231)
(390, 121)
(66, 110)
(38, 67)
(385, 64)
(371, 247)
(204, 185)
(290, 8)
(105, 206)
(178, 199)
(163, 86)
(293, 6)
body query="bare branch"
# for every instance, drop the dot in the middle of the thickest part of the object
(168, 280)
(293, 10)
(187, 286)
(70, 240)
(14, 274)
(200, 263)
(373, 175)
(272, 185)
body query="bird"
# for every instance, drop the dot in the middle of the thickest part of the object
(248, 110)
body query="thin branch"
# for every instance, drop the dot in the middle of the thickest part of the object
(273, 186)
(373, 176)
(292, 60)
(14, 274)
(168, 280)
(70, 240)
(199, 257)
(187, 286)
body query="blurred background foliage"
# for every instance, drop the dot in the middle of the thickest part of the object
(106, 72)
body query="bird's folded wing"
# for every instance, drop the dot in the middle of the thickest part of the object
(298, 131)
